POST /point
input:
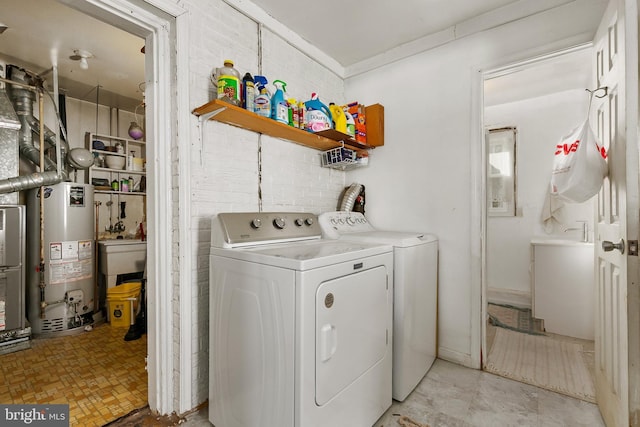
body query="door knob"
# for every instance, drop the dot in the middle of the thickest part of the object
(608, 246)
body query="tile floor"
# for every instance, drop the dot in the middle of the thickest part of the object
(103, 379)
(101, 376)
(451, 395)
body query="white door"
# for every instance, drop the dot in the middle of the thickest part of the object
(351, 333)
(614, 118)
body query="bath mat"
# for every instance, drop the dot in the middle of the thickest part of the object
(514, 318)
(546, 362)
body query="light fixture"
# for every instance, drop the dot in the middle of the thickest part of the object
(82, 56)
(135, 130)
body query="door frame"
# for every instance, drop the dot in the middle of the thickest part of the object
(478, 151)
(164, 26)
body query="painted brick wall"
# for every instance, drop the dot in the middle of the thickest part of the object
(224, 162)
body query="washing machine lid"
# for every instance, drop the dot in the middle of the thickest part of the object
(304, 255)
(400, 239)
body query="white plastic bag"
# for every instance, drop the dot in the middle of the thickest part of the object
(579, 166)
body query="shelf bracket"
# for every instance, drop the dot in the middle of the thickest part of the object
(202, 119)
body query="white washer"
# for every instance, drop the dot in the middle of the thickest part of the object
(300, 327)
(415, 293)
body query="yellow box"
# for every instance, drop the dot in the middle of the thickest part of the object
(119, 305)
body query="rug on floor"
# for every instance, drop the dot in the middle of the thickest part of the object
(542, 361)
(514, 318)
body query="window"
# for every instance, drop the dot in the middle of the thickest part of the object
(501, 170)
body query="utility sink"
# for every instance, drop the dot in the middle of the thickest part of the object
(121, 256)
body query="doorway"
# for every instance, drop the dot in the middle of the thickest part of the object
(157, 26)
(538, 101)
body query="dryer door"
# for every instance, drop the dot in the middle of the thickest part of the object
(351, 329)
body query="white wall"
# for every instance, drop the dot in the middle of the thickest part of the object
(422, 178)
(540, 122)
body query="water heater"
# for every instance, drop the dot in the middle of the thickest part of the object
(61, 265)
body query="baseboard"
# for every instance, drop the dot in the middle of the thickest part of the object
(455, 357)
(510, 297)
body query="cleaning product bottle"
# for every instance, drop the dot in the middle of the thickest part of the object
(351, 123)
(262, 102)
(279, 107)
(293, 112)
(248, 92)
(302, 114)
(339, 118)
(229, 83)
(317, 115)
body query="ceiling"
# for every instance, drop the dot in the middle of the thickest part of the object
(352, 31)
(41, 32)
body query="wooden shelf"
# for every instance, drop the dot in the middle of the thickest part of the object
(226, 113)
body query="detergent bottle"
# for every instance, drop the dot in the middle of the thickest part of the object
(262, 101)
(317, 115)
(229, 83)
(279, 106)
(351, 122)
(339, 118)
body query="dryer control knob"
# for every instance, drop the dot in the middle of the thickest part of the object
(279, 223)
(256, 223)
(308, 221)
(299, 222)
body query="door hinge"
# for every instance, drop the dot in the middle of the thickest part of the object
(632, 247)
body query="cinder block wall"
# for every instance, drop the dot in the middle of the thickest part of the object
(224, 170)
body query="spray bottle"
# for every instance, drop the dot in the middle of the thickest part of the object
(279, 106)
(262, 102)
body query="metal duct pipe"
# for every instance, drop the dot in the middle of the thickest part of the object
(26, 182)
(23, 97)
(23, 100)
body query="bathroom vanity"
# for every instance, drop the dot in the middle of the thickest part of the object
(563, 287)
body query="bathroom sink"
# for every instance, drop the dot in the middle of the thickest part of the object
(121, 257)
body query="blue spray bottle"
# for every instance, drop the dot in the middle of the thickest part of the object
(279, 105)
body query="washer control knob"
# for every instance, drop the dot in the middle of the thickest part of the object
(309, 221)
(256, 223)
(350, 221)
(279, 223)
(334, 220)
(299, 222)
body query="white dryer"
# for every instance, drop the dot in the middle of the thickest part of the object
(415, 292)
(300, 327)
